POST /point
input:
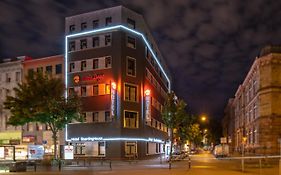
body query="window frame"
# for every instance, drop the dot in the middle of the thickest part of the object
(136, 120)
(131, 85)
(135, 65)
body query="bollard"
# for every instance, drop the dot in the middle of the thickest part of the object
(59, 165)
(189, 163)
(242, 164)
(35, 167)
(110, 166)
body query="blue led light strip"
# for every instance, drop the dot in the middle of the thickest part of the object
(121, 139)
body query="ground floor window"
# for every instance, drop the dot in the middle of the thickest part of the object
(130, 149)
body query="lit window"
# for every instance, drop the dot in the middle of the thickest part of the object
(58, 68)
(71, 67)
(95, 63)
(83, 65)
(130, 93)
(83, 44)
(131, 42)
(108, 62)
(131, 23)
(101, 148)
(49, 69)
(71, 46)
(107, 40)
(95, 24)
(83, 91)
(108, 21)
(96, 41)
(131, 119)
(107, 89)
(71, 28)
(131, 149)
(96, 90)
(95, 117)
(83, 26)
(131, 66)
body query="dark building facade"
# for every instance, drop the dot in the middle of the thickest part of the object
(114, 65)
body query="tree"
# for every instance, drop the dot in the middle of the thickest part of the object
(40, 99)
(169, 118)
(194, 133)
(174, 114)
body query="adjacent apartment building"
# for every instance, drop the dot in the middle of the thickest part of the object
(113, 63)
(12, 72)
(256, 105)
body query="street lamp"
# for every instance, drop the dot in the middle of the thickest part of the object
(203, 118)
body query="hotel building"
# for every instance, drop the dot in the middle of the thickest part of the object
(256, 105)
(114, 65)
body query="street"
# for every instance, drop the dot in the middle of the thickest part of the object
(201, 164)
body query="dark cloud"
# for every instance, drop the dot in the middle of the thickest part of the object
(213, 43)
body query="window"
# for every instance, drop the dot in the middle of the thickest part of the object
(71, 91)
(95, 24)
(107, 89)
(83, 65)
(30, 72)
(131, 66)
(95, 63)
(101, 148)
(71, 46)
(131, 23)
(17, 76)
(39, 69)
(71, 28)
(107, 62)
(131, 42)
(107, 116)
(131, 119)
(71, 67)
(49, 69)
(83, 26)
(107, 40)
(58, 68)
(83, 91)
(108, 21)
(130, 93)
(84, 117)
(130, 149)
(96, 90)
(95, 117)
(83, 44)
(96, 41)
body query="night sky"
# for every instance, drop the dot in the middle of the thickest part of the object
(209, 45)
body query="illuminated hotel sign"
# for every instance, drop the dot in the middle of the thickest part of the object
(147, 105)
(95, 77)
(113, 98)
(86, 139)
